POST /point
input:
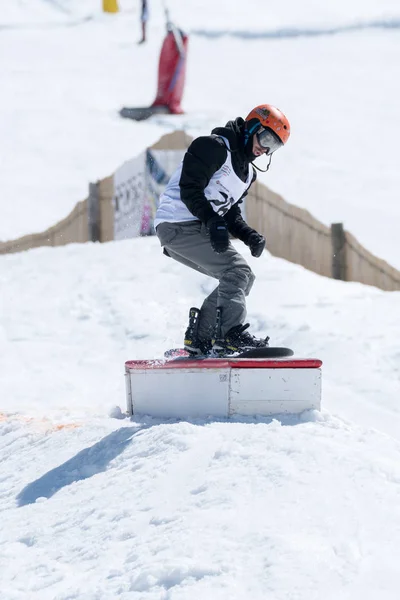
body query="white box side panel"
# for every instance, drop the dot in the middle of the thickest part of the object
(274, 391)
(269, 408)
(180, 393)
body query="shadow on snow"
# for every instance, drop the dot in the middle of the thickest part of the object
(95, 459)
(85, 464)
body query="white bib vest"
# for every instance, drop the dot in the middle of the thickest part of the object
(224, 189)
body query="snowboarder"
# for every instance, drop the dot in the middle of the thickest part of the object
(200, 208)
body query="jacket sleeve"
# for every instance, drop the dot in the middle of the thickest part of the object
(203, 158)
(237, 226)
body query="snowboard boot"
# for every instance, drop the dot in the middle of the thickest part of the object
(192, 343)
(238, 340)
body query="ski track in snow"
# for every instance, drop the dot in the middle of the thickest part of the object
(293, 32)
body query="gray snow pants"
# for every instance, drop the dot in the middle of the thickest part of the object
(189, 244)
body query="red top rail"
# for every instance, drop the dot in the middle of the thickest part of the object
(224, 363)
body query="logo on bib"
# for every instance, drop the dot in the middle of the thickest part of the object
(222, 206)
(225, 170)
(218, 182)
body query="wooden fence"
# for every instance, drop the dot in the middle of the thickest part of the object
(292, 233)
(73, 228)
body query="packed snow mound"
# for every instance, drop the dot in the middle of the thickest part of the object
(201, 510)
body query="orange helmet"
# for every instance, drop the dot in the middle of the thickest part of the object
(270, 118)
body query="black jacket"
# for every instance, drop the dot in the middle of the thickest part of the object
(203, 158)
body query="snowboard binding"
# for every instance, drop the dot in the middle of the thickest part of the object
(237, 343)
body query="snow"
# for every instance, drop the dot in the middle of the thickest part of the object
(96, 506)
(207, 510)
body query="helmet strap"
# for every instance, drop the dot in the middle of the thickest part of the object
(263, 170)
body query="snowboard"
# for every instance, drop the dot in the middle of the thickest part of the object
(267, 352)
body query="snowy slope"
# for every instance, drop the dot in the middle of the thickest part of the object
(95, 507)
(70, 68)
(206, 510)
(212, 15)
(72, 310)
(98, 508)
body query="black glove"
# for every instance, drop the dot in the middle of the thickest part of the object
(219, 235)
(256, 243)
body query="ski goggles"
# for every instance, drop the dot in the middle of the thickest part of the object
(268, 140)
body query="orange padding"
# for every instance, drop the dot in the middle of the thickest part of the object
(41, 421)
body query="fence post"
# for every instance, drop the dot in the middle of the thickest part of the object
(94, 213)
(339, 262)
